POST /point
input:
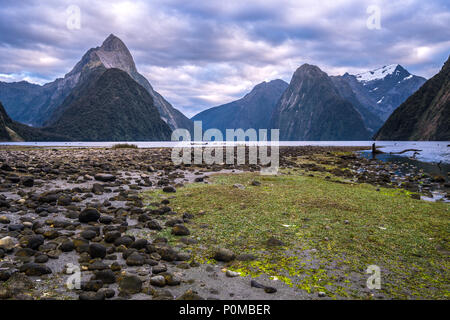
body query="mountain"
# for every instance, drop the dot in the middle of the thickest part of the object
(371, 120)
(13, 131)
(382, 90)
(18, 97)
(423, 116)
(36, 104)
(113, 53)
(254, 110)
(311, 108)
(109, 106)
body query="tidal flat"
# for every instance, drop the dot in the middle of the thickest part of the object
(139, 227)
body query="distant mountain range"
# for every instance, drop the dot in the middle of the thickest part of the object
(423, 116)
(312, 112)
(382, 90)
(104, 97)
(36, 105)
(254, 110)
(14, 131)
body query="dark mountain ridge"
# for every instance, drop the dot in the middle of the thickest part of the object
(110, 106)
(312, 109)
(12, 131)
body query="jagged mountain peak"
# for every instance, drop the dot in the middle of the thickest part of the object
(306, 78)
(113, 53)
(113, 42)
(306, 75)
(277, 83)
(381, 73)
(307, 68)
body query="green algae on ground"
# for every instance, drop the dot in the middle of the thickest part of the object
(332, 232)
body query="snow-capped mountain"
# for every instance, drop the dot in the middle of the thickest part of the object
(379, 73)
(383, 89)
(423, 116)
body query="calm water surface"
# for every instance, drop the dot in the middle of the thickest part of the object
(430, 151)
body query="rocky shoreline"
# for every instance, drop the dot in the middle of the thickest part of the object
(84, 208)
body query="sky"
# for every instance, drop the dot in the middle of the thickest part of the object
(200, 54)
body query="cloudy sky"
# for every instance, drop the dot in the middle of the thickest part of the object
(199, 53)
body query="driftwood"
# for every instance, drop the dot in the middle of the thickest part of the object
(406, 150)
(375, 150)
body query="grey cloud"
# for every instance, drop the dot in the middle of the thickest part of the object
(233, 45)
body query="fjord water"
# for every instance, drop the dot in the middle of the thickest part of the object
(430, 151)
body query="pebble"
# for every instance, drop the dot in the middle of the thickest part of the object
(107, 292)
(159, 269)
(88, 234)
(105, 177)
(89, 215)
(190, 295)
(135, 259)
(258, 285)
(97, 250)
(274, 242)
(34, 269)
(232, 274)
(92, 296)
(8, 243)
(180, 230)
(130, 284)
(4, 220)
(67, 246)
(224, 255)
(169, 189)
(158, 281)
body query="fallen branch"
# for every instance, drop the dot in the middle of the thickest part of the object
(406, 150)
(375, 150)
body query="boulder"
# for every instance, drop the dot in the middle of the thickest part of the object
(130, 284)
(224, 255)
(89, 215)
(105, 177)
(35, 269)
